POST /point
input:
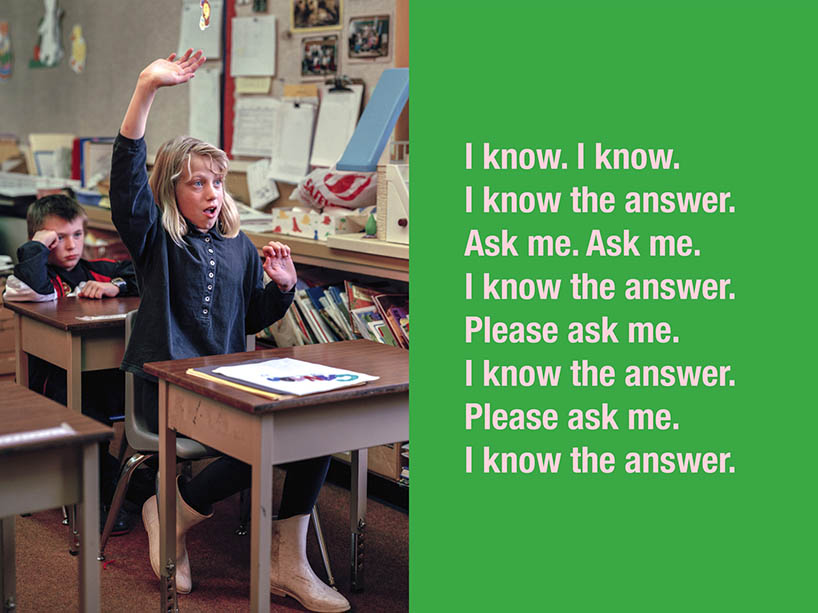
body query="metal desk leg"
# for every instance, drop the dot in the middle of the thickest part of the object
(261, 527)
(89, 528)
(73, 531)
(21, 365)
(74, 375)
(357, 515)
(167, 505)
(7, 564)
(322, 545)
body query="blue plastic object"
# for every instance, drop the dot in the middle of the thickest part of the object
(377, 122)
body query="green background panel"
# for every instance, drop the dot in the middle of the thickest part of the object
(729, 89)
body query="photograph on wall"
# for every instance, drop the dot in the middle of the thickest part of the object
(368, 38)
(312, 15)
(319, 56)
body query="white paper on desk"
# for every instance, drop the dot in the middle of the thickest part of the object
(204, 117)
(292, 142)
(30, 436)
(253, 126)
(253, 52)
(263, 190)
(337, 118)
(18, 184)
(191, 37)
(294, 376)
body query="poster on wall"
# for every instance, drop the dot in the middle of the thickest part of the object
(78, 49)
(313, 15)
(5, 51)
(48, 50)
(191, 33)
(368, 39)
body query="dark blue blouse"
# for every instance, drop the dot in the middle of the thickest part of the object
(200, 299)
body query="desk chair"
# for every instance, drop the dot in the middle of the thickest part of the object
(146, 445)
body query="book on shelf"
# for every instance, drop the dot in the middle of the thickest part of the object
(380, 332)
(394, 310)
(362, 316)
(378, 315)
(325, 303)
(313, 319)
(286, 332)
(327, 314)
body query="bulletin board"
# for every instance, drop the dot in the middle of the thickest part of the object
(289, 49)
(121, 41)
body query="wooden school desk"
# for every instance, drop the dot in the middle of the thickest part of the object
(51, 331)
(263, 432)
(43, 472)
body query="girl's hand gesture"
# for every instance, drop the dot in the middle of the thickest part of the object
(172, 71)
(279, 265)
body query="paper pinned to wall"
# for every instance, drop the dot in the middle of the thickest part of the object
(292, 142)
(263, 190)
(337, 118)
(191, 37)
(254, 125)
(253, 52)
(253, 85)
(204, 118)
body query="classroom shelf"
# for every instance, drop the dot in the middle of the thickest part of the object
(312, 252)
(320, 253)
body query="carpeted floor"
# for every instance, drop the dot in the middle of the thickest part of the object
(220, 560)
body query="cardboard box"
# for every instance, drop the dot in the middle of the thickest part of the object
(310, 223)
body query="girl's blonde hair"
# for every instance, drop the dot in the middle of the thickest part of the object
(171, 160)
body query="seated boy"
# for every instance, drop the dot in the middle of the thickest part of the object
(51, 266)
(50, 263)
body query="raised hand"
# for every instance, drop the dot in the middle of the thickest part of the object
(279, 265)
(173, 70)
(160, 73)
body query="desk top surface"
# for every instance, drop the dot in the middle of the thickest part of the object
(63, 312)
(389, 363)
(24, 411)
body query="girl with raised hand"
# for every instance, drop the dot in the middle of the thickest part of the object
(202, 292)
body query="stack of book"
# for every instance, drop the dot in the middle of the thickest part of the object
(404, 471)
(330, 314)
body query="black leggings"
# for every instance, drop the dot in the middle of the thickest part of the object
(226, 476)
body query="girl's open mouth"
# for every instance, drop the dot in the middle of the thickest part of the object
(211, 212)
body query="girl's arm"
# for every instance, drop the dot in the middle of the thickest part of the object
(160, 73)
(133, 210)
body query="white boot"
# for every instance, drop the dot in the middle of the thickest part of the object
(290, 572)
(186, 518)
